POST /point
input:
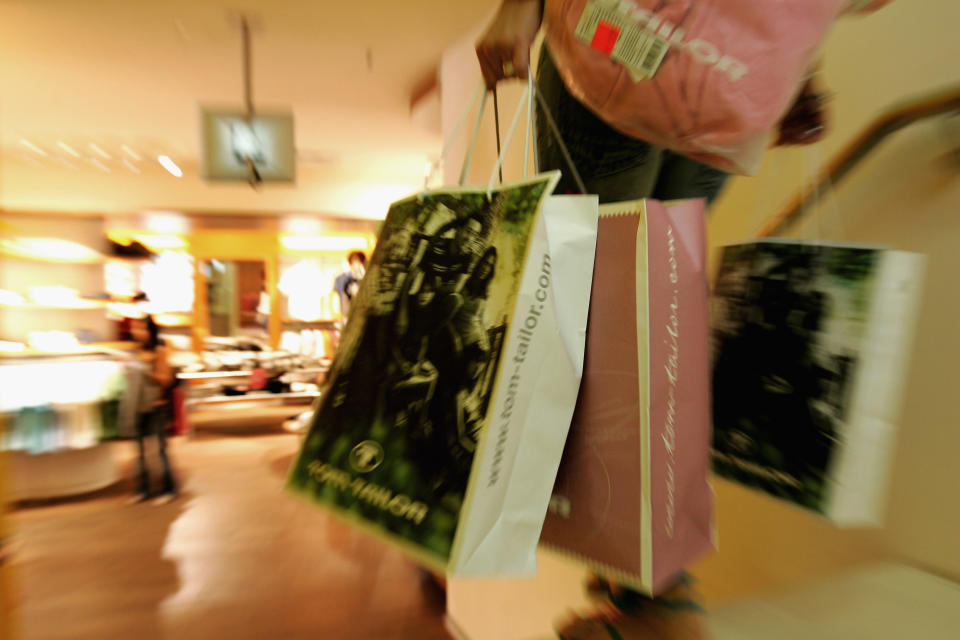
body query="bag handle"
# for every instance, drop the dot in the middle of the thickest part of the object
(532, 92)
(506, 142)
(454, 134)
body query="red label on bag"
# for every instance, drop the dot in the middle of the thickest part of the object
(605, 37)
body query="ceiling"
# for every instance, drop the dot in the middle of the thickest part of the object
(113, 72)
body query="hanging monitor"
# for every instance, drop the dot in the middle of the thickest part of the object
(251, 150)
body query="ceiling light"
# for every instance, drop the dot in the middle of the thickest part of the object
(100, 152)
(130, 152)
(10, 298)
(305, 225)
(99, 165)
(131, 166)
(165, 222)
(11, 347)
(68, 148)
(170, 166)
(33, 147)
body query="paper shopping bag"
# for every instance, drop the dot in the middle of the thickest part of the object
(812, 341)
(632, 498)
(441, 427)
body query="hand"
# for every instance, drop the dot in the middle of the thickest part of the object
(806, 121)
(504, 50)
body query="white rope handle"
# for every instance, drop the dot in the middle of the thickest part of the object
(506, 140)
(526, 137)
(473, 139)
(455, 133)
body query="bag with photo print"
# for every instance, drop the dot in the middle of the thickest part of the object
(810, 349)
(443, 420)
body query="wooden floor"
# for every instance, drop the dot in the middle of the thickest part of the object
(234, 557)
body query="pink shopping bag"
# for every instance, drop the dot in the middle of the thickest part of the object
(632, 498)
(705, 79)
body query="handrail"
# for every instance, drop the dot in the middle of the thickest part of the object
(897, 118)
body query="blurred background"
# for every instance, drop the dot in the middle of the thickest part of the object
(113, 205)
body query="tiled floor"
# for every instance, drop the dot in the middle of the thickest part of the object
(235, 557)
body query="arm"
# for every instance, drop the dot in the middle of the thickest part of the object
(508, 40)
(806, 120)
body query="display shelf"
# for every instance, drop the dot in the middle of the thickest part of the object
(99, 348)
(80, 305)
(256, 398)
(218, 375)
(60, 474)
(9, 254)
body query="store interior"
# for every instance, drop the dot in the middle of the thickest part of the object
(112, 206)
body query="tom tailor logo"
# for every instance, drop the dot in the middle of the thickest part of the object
(559, 505)
(366, 456)
(382, 498)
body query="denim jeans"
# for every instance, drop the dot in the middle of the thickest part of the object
(150, 423)
(613, 165)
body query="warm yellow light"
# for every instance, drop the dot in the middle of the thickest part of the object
(37, 150)
(10, 298)
(53, 249)
(160, 242)
(374, 202)
(130, 152)
(68, 149)
(99, 151)
(170, 166)
(7, 346)
(325, 243)
(129, 165)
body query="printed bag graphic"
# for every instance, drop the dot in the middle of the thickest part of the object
(458, 285)
(810, 345)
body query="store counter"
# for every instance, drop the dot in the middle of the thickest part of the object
(59, 408)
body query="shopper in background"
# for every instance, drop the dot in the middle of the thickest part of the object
(348, 282)
(618, 167)
(153, 388)
(263, 304)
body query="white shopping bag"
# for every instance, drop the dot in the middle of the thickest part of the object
(539, 380)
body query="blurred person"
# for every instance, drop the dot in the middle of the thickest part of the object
(153, 389)
(263, 304)
(619, 167)
(348, 283)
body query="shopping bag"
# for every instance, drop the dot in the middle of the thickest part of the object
(443, 419)
(811, 346)
(705, 79)
(632, 498)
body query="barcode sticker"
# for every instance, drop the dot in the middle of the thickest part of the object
(613, 33)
